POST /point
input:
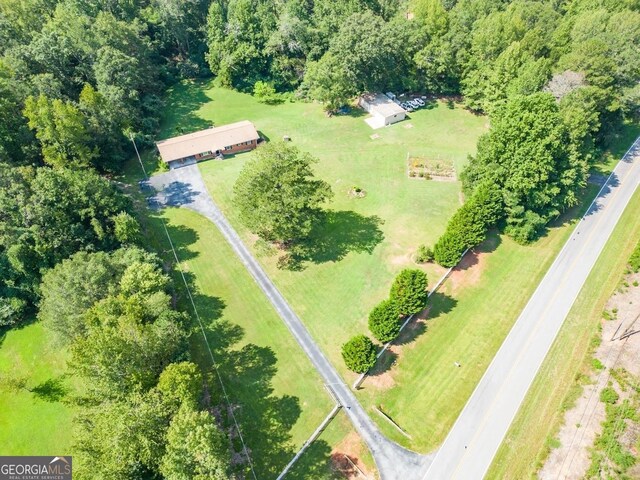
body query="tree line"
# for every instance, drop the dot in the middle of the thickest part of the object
(557, 79)
(77, 80)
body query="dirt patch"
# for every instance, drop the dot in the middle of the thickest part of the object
(345, 458)
(382, 381)
(382, 377)
(404, 259)
(469, 271)
(582, 423)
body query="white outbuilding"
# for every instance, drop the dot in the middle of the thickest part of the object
(383, 110)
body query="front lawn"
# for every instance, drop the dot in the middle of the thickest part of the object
(469, 318)
(365, 241)
(277, 396)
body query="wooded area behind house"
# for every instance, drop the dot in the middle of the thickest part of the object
(80, 78)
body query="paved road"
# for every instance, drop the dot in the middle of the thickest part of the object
(474, 439)
(185, 187)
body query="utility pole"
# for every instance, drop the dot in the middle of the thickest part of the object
(138, 155)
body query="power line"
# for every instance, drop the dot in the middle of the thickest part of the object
(584, 412)
(204, 335)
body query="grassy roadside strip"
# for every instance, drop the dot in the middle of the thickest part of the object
(531, 436)
(463, 326)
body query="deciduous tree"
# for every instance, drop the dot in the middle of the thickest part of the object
(195, 448)
(277, 195)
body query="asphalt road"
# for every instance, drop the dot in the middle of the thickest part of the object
(478, 432)
(184, 187)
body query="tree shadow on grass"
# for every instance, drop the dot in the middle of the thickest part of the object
(337, 234)
(247, 372)
(619, 141)
(27, 320)
(51, 390)
(266, 420)
(317, 462)
(439, 304)
(182, 238)
(490, 244)
(183, 101)
(384, 363)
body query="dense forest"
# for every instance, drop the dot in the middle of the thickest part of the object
(80, 78)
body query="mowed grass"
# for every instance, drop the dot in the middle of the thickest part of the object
(367, 240)
(539, 418)
(278, 398)
(34, 417)
(321, 459)
(469, 317)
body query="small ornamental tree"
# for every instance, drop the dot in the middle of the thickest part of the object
(359, 354)
(384, 321)
(265, 93)
(424, 254)
(409, 291)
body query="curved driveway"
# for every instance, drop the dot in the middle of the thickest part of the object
(185, 187)
(477, 434)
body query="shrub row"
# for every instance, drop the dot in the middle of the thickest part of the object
(469, 225)
(408, 295)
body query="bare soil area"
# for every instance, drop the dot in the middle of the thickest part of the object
(583, 422)
(345, 458)
(469, 271)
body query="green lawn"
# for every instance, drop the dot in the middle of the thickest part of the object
(34, 417)
(332, 444)
(280, 398)
(541, 413)
(470, 316)
(366, 240)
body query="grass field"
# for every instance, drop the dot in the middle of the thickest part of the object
(365, 241)
(279, 398)
(368, 240)
(334, 443)
(469, 318)
(34, 417)
(541, 413)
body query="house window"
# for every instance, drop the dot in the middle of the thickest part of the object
(228, 148)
